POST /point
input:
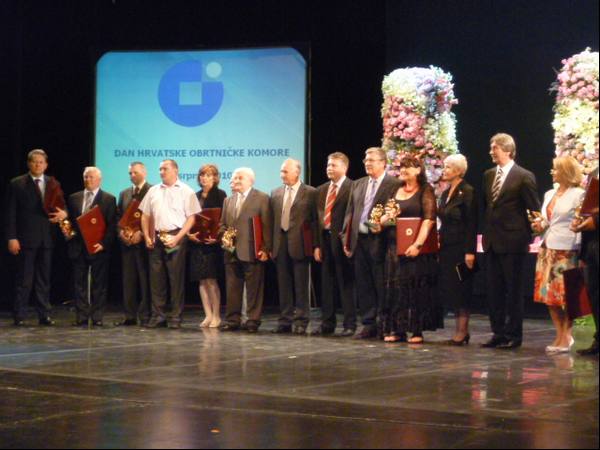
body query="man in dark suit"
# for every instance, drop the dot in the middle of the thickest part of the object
(509, 191)
(134, 256)
(337, 277)
(365, 248)
(31, 234)
(98, 261)
(243, 267)
(294, 233)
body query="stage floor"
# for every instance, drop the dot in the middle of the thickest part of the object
(130, 387)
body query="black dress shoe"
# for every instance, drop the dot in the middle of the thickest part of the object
(494, 342)
(229, 327)
(126, 323)
(510, 345)
(157, 324)
(244, 326)
(251, 328)
(282, 329)
(19, 323)
(366, 333)
(79, 323)
(322, 331)
(174, 325)
(47, 322)
(347, 332)
(591, 351)
(98, 323)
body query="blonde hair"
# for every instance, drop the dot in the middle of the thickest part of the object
(506, 142)
(568, 170)
(459, 162)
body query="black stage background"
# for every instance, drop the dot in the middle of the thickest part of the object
(501, 54)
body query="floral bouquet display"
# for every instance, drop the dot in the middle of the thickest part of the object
(417, 119)
(576, 111)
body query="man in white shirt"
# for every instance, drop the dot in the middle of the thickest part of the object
(168, 211)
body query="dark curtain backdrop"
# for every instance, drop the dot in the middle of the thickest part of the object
(501, 53)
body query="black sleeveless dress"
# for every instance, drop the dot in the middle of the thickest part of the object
(205, 261)
(411, 303)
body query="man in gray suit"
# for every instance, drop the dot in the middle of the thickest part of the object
(243, 267)
(134, 256)
(365, 248)
(294, 239)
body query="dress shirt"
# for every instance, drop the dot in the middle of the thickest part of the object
(170, 206)
(294, 192)
(505, 171)
(85, 193)
(42, 184)
(362, 228)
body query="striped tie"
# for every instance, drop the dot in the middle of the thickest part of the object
(329, 205)
(496, 186)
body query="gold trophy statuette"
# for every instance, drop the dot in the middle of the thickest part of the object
(165, 238)
(128, 233)
(228, 239)
(392, 211)
(533, 216)
(67, 228)
(375, 218)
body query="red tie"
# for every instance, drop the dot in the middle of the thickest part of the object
(331, 196)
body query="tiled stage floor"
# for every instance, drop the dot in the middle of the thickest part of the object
(131, 387)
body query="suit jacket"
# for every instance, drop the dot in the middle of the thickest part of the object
(506, 228)
(459, 218)
(126, 197)
(338, 213)
(256, 204)
(26, 219)
(303, 211)
(354, 211)
(108, 206)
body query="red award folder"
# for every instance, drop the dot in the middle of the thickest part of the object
(132, 219)
(407, 230)
(207, 224)
(348, 235)
(576, 296)
(257, 234)
(93, 228)
(590, 201)
(307, 239)
(54, 197)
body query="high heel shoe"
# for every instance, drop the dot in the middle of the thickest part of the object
(215, 323)
(464, 341)
(206, 323)
(562, 349)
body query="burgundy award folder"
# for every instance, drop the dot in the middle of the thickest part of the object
(93, 228)
(407, 230)
(257, 235)
(132, 219)
(576, 296)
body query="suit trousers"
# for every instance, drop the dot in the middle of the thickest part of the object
(292, 278)
(33, 272)
(167, 281)
(591, 279)
(252, 275)
(370, 286)
(136, 286)
(91, 306)
(337, 285)
(504, 273)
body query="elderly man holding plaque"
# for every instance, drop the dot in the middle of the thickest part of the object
(246, 238)
(294, 236)
(134, 257)
(367, 249)
(93, 213)
(31, 234)
(168, 215)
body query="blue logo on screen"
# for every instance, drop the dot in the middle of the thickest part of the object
(185, 98)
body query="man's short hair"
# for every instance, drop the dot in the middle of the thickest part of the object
(297, 163)
(137, 163)
(377, 151)
(246, 171)
(37, 151)
(92, 169)
(172, 162)
(341, 157)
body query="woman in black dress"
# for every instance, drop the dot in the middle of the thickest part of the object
(411, 280)
(205, 258)
(457, 211)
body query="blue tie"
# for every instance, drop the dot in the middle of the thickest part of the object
(369, 200)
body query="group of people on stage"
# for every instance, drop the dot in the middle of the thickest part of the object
(398, 297)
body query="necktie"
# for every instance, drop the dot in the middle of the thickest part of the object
(136, 192)
(369, 200)
(329, 205)
(38, 182)
(285, 216)
(238, 204)
(496, 185)
(88, 201)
